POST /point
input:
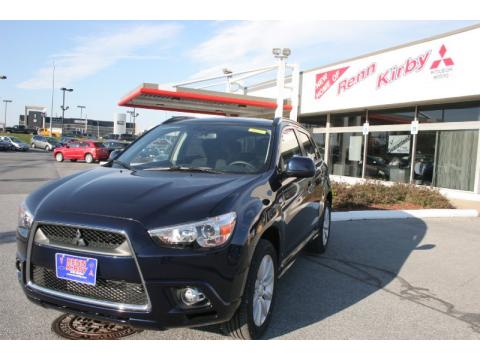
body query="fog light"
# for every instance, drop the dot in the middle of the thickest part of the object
(191, 296)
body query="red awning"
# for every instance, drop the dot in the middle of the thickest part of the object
(151, 96)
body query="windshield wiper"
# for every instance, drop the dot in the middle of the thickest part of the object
(186, 169)
(122, 164)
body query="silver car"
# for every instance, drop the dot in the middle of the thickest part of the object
(43, 142)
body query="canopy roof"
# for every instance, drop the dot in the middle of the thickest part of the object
(183, 99)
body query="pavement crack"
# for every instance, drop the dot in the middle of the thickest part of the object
(397, 286)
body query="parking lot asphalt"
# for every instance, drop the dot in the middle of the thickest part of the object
(379, 279)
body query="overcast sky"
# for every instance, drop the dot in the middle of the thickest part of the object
(103, 60)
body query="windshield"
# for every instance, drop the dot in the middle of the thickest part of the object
(220, 148)
(14, 139)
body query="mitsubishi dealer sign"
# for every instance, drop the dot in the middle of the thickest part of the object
(447, 67)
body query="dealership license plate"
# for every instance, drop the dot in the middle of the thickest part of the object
(76, 268)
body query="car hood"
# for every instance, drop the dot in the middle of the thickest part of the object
(154, 198)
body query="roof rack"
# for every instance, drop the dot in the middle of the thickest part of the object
(177, 118)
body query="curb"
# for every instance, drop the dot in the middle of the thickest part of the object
(403, 214)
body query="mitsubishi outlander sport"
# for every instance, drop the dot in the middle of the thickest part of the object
(193, 224)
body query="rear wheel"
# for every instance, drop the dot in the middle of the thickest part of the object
(33, 146)
(59, 157)
(47, 148)
(254, 313)
(89, 158)
(319, 243)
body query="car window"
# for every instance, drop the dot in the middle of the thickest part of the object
(308, 146)
(74, 145)
(231, 149)
(289, 147)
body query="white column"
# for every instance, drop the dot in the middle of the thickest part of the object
(280, 86)
(295, 92)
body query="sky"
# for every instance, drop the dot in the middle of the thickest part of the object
(104, 60)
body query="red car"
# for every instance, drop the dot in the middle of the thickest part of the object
(89, 151)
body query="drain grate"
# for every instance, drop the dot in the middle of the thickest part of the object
(76, 327)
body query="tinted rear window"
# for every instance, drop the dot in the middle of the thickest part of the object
(98, 144)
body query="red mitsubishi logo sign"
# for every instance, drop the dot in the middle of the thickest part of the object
(447, 61)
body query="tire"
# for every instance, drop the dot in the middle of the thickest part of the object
(89, 158)
(47, 148)
(59, 157)
(244, 324)
(319, 243)
(33, 146)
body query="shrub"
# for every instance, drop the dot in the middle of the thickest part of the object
(374, 194)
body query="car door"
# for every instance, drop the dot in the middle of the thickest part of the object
(313, 202)
(292, 194)
(71, 150)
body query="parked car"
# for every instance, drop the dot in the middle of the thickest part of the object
(113, 145)
(88, 150)
(66, 140)
(197, 238)
(15, 143)
(121, 137)
(19, 129)
(44, 142)
(5, 145)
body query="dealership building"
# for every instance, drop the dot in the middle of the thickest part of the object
(408, 114)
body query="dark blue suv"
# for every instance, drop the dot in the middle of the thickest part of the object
(191, 225)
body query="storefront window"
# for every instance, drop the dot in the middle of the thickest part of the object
(449, 113)
(389, 156)
(446, 159)
(352, 119)
(314, 121)
(346, 154)
(391, 117)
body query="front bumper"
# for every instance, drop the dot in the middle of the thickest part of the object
(219, 273)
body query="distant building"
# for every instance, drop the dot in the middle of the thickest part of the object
(72, 126)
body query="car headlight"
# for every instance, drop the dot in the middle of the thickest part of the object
(25, 217)
(211, 232)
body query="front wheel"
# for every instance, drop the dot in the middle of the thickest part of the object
(59, 157)
(89, 158)
(254, 313)
(47, 148)
(319, 243)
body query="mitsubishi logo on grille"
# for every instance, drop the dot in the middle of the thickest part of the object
(446, 61)
(79, 241)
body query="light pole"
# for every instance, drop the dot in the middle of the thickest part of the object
(281, 55)
(6, 105)
(133, 115)
(63, 105)
(81, 107)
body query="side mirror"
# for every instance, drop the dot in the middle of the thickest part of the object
(114, 154)
(300, 167)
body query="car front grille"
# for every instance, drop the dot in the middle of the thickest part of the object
(90, 238)
(120, 292)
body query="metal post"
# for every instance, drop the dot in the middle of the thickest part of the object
(63, 105)
(53, 94)
(414, 150)
(295, 92)
(327, 140)
(365, 148)
(5, 119)
(63, 111)
(281, 55)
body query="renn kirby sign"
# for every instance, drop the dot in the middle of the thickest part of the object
(442, 68)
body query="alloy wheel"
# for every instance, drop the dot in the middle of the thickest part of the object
(262, 297)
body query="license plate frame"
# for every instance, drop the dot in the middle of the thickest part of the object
(79, 269)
